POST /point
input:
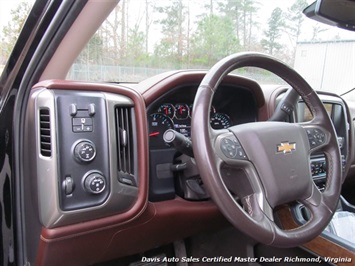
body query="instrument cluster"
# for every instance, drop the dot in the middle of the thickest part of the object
(178, 117)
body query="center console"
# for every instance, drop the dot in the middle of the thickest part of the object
(318, 164)
(336, 109)
(318, 167)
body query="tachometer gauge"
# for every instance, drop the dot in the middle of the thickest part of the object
(158, 124)
(220, 121)
(167, 109)
(182, 111)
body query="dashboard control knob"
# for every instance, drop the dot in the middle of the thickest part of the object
(85, 151)
(68, 185)
(95, 183)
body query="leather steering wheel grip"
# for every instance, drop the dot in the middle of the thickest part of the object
(273, 177)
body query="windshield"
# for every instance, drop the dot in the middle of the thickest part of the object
(142, 38)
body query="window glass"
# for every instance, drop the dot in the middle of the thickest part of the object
(13, 14)
(142, 38)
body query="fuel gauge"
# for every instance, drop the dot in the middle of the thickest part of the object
(167, 109)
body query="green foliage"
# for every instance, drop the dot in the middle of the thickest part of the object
(295, 18)
(180, 37)
(172, 46)
(136, 54)
(243, 15)
(184, 38)
(213, 40)
(93, 51)
(276, 23)
(293, 23)
(12, 30)
(111, 34)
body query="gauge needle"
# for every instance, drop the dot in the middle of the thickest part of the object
(154, 134)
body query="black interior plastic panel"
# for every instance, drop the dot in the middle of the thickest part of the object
(83, 149)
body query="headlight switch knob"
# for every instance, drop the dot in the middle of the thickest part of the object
(95, 183)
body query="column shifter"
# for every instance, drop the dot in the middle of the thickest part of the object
(179, 142)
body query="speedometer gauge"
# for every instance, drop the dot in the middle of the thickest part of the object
(220, 121)
(158, 124)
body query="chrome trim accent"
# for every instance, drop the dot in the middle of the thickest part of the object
(120, 198)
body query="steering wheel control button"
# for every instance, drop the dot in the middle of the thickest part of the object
(316, 137)
(287, 108)
(241, 154)
(232, 149)
(85, 151)
(95, 183)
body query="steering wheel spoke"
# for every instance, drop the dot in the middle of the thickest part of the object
(257, 207)
(243, 181)
(314, 199)
(319, 209)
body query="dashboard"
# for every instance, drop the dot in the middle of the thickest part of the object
(109, 175)
(89, 160)
(232, 105)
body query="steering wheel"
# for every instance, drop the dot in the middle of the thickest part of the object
(269, 161)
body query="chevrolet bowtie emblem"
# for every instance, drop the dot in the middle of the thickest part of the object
(286, 147)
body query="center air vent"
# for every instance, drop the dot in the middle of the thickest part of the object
(45, 132)
(125, 145)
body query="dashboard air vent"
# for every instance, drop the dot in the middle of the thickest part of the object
(45, 132)
(125, 145)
